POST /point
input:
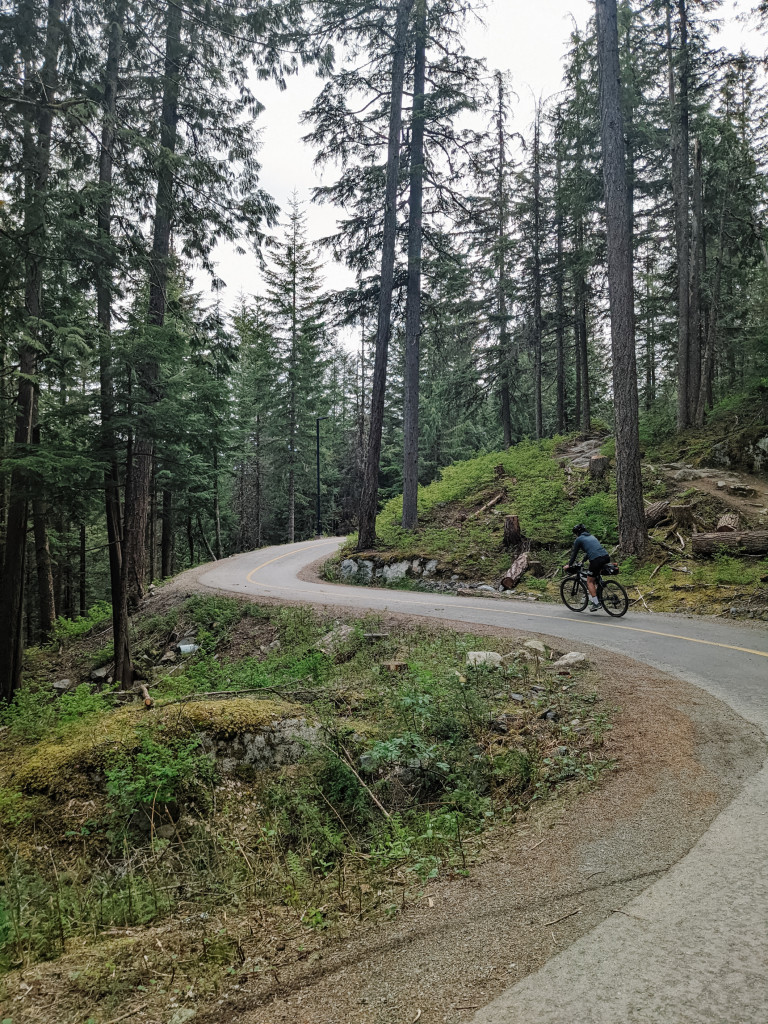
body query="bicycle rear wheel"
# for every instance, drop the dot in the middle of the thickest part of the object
(574, 594)
(614, 598)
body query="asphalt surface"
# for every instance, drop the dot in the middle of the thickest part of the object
(693, 947)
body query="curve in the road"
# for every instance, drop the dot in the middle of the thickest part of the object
(693, 948)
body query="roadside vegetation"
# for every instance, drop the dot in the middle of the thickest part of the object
(538, 483)
(296, 771)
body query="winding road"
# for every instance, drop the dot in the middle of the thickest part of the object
(693, 947)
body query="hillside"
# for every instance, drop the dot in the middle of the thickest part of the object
(703, 474)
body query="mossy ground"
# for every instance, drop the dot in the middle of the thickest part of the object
(550, 497)
(133, 862)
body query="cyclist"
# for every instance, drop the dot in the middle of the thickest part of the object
(598, 559)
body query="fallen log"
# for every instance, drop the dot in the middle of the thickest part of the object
(489, 505)
(656, 512)
(729, 523)
(749, 542)
(516, 571)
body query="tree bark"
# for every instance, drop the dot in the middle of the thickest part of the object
(413, 298)
(749, 542)
(537, 316)
(142, 453)
(369, 499)
(678, 114)
(697, 270)
(37, 163)
(166, 541)
(216, 508)
(83, 578)
(559, 288)
(708, 360)
(46, 599)
(632, 532)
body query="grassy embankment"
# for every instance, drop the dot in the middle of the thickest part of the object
(549, 501)
(115, 821)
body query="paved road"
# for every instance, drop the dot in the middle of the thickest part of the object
(693, 948)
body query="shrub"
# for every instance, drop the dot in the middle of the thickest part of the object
(70, 629)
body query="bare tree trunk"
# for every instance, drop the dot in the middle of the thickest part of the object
(413, 298)
(678, 113)
(190, 541)
(537, 316)
(216, 509)
(37, 162)
(708, 361)
(83, 579)
(559, 292)
(166, 542)
(697, 266)
(577, 356)
(370, 494)
(46, 599)
(632, 530)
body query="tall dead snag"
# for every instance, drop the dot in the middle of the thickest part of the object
(142, 452)
(369, 498)
(413, 299)
(37, 111)
(632, 532)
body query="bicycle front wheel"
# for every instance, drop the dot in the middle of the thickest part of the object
(614, 598)
(573, 591)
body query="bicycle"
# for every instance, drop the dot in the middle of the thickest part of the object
(610, 593)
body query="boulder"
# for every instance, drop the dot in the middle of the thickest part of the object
(348, 570)
(535, 645)
(331, 642)
(570, 660)
(100, 674)
(485, 588)
(430, 568)
(490, 658)
(62, 685)
(396, 571)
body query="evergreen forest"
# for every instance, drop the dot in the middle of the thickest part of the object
(599, 264)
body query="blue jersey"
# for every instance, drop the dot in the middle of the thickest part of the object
(591, 547)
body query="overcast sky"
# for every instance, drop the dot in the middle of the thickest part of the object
(526, 37)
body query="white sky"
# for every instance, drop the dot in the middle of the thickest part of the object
(526, 37)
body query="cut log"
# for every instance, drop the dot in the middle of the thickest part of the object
(516, 571)
(749, 542)
(500, 472)
(598, 466)
(513, 535)
(728, 523)
(656, 512)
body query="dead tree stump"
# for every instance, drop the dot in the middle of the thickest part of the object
(682, 515)
(513, 535)
(598, 467)
(728, 523)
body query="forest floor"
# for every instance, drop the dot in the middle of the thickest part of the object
(142, 886)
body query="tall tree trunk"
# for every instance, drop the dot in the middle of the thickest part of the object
(137, 498)
(577, 355)
(45, 589)
(697, 269)
(216, 509)
(369, 499)
(559, 288)
(501, 283)
(190, 541)
(632, 531)
(413, 298)
(708, 361)
(103, 266)
(83, 579)
(650, 337)
(537, 316)
(37, 162)
(166, 542)
(678, 114)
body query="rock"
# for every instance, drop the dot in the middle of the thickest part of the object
(561, 751)
(518, 698)
(169, 656)
(430, 568)
(721, 485)
(63, 685)
(275, 645)
(569, 660)
(742, 491)
(396, 571)
(550, 715)
(486, 589)
(181, 1016)
(538, 689)
(454, 578)
(535, 645)
(416, 567)
(331, 642)
(99, 675)
(165, 832)
(490, 658)
(503, 723)
(348, 570)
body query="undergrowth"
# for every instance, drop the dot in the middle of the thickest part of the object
(403, 773)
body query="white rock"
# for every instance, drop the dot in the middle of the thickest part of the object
(535, 645)
(569, 660)
(348, 570)
(62, 684)
(484, 658)
(486, 588)
(416, 566)
(430, 568)
(396, 571)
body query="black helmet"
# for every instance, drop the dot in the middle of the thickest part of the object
(581, 528)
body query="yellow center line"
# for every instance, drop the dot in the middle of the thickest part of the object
(484, 607)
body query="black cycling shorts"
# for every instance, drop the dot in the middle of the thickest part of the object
(597, 565)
